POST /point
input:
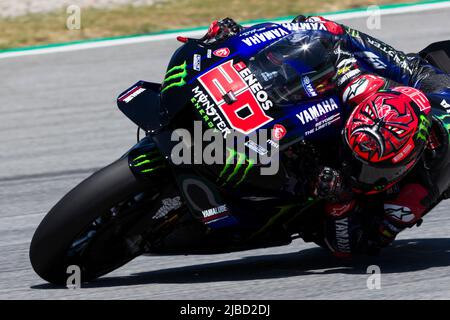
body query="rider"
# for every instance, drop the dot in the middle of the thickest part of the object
(395, 146)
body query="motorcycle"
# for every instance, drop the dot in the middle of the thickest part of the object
(145, 204)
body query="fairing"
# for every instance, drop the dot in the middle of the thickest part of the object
(266, 77)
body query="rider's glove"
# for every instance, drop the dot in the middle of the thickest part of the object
(329, 185)
(220, 30)
(299, 18)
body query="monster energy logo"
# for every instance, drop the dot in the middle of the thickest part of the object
(175, 73)
(424, 126)
(352, 32)
(445, 118)
(239, 172)
(148, 162)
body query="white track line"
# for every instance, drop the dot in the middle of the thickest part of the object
(171, 35)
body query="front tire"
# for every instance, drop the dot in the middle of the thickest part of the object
(100, 209)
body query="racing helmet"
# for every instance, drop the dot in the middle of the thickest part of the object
(386, 134)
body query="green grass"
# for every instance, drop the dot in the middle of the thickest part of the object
(39, 29)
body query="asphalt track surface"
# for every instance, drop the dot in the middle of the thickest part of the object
(59, 123)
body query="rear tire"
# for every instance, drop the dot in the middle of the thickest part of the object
(76, 212)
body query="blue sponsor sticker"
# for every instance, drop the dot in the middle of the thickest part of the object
(309, 88)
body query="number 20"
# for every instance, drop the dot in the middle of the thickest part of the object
(225, 78)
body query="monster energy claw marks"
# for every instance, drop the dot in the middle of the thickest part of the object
(235, 173)
(175, 77)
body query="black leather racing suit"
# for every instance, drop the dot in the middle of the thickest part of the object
(357, 55)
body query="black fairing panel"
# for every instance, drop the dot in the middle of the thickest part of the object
(141, 103)
(438, 54)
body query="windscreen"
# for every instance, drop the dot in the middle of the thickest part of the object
(292, 69)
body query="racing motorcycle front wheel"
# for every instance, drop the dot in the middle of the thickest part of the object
(90, 226)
